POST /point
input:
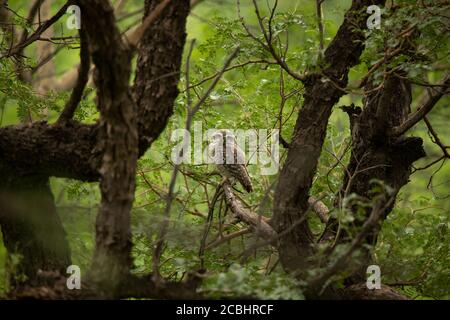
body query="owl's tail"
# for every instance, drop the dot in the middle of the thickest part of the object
(247, 185)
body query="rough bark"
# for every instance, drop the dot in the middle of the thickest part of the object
(360, 292)
(69, 149)
(117, 141)
(158, 69)
(376, 156)
(107, 150)
(32, 231)
(66, 150)
(321, 94)
(29, 221)
(257, 222)
(131, 287)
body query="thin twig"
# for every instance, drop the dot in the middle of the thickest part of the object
(82, 80)
(190, 114)
(320, 27)
(434, 94)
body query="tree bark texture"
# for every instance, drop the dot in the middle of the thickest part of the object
(376, 156)
(106, 151)
(133, 117)
(322, 92)
(117, 141)
(158, 69)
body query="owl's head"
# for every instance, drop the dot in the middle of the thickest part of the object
(222, 134)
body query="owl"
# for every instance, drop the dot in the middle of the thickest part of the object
(229, 158)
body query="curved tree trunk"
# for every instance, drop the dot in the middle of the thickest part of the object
(106, 151)
(158, 69)
(376, 156)
(32, 231)
(322, 93)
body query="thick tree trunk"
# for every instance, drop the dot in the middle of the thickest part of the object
(59, 150)
(376, 157)
(322, 93)
(107, 150)
(32, 231)
(117, 142)
(158, 69)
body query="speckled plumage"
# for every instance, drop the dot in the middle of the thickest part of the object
(233, 166)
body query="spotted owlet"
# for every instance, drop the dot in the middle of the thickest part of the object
(229, 158)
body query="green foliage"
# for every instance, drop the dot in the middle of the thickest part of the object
(413, 249)
(414, 245)
(248, 281)
(16, 94)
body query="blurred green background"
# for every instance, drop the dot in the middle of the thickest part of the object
(413, 248)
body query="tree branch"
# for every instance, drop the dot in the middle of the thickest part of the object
(83, 78)
(434, 94)
(133, 37)
(292, 193)
(436, 138)
(319, 208)
(36, 34)
(320, 27)
(118, 142)
(317, 284)
(256, 221)
(192, 110)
